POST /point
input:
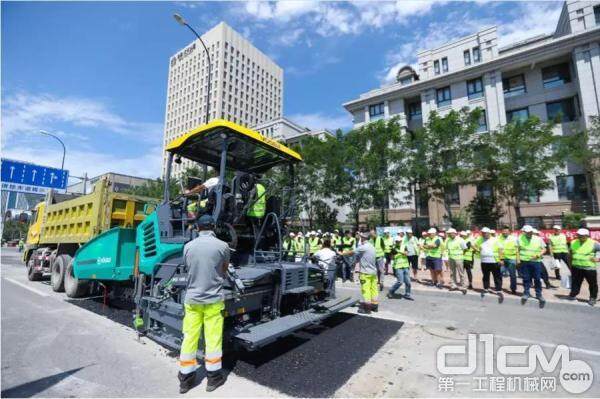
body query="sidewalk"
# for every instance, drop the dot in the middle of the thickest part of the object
(557, 294)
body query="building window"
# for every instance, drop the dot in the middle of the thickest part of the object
(444, 64)
(597, 14)
(556, 75)
(467, 55)
(514, 86)
(414, 110)
(436, 67)
(482, 127)
(406, 81)
(443, 96)
(452, 196)
(475, 88)
(476, 54)
(517, 115)
(561, 111)
(485, 190)
(376, 111)
(571, 187)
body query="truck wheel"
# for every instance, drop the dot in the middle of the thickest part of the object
(74, 288)
(57, 276)
(32, 275)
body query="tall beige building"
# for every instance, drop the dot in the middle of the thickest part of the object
(246, 85)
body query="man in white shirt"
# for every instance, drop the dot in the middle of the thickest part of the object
(325, 258)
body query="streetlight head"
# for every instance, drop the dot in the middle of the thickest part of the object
(179, 19)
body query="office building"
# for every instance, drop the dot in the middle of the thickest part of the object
(246, 85)
(547, 76)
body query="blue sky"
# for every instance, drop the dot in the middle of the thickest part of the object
(95, 73)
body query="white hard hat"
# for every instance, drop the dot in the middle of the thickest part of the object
(397, 239)
(556, 227)
(583, 232)
(300, 234)
(319, 231)
(463, 233)
(486, 230)
(527, 229)
(451, 230)
(493, 231)
(292, 234)
(432, 231)
(468, 231)
(408, 231)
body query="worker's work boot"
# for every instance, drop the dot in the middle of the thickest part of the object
(374, 307)
(364, 308)
(214, 379)
(186, 381)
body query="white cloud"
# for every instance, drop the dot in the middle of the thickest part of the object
(535, 18)
(337, 18)
(530, 19)
(316, 121)
(24, 112)
(92, 162)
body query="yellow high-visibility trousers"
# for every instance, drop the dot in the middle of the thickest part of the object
(369, 288)
(198, 317)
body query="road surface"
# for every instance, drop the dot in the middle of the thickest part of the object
(53, 347)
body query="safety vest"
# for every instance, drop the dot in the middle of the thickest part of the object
(314, 244)
(433, 252)
(299, 246)
(454, 246)
(400, 260)
(530, 249)
(558, 243)
(258, 208)
(348, 242)
(583, 254)
(509, 246)
(495, 246)
(336, 241)
(288, 246)
(379, 247)
(468, 253)
(388, 244)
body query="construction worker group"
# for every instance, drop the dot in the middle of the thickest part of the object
(516, 255)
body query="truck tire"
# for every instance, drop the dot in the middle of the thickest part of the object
(74, 288)
(57, 274)
(32, 275)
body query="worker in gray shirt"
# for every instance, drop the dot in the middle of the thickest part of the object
(206, 259)
(365, 256)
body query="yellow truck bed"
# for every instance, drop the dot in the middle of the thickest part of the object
(79, 219)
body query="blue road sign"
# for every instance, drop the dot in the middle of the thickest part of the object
(23, 173)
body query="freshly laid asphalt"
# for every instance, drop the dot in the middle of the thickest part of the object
(54, 347)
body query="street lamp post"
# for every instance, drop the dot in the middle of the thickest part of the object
(182, 21)
(62, 165)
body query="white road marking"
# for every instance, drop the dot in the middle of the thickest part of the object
(25, 286)
(547, 344)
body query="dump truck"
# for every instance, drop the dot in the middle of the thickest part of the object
(62, 223)
(266, 297)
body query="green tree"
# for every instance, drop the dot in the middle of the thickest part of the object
(485, 211)
(14, 229)
(325, 216)
(517, 160)
(437, 157)
(380, 163)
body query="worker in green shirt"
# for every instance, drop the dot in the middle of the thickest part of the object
(583, 265)
(377, 242)
(388, 244)
(401, 268)
(558, 248)
(510, 245)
